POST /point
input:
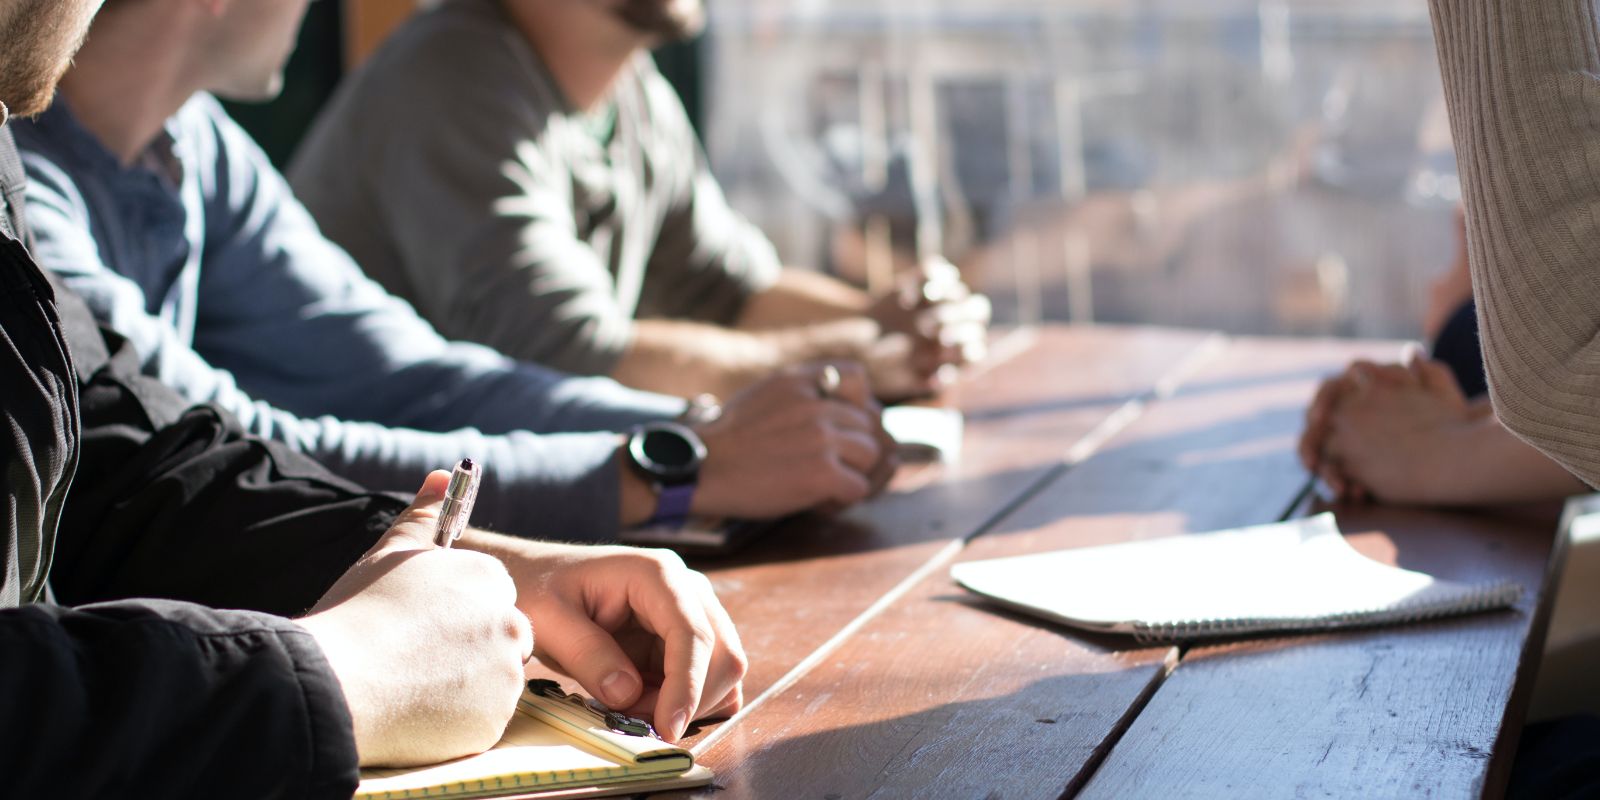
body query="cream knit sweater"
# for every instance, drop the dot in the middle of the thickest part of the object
(1522, 80)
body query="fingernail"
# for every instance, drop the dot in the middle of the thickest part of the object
(617, 689)
(680, 723)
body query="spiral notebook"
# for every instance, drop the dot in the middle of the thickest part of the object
(1291, 576)
(553, 748)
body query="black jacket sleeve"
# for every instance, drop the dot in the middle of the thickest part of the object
(180, 503)
(155, 698)
(167, 699)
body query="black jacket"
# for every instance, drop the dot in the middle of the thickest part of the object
(107, 696)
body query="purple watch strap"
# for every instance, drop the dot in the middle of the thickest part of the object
(672, 507)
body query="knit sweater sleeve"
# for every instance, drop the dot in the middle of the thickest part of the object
(1522, 81)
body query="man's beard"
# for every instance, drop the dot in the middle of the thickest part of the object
(664, 20)
(40, 37)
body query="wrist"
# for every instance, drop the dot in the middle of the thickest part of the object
(636, 497)
(333, 640)
(1452, 449)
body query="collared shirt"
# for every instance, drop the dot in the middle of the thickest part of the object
(231, 295)
(458, 174)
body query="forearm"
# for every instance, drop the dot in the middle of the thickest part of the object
(1519, 82)
(802, 297)
(1490, 466)
(538, 485)
(688, 358)
(108, 700)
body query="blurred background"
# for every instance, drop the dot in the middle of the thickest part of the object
(1253, 166)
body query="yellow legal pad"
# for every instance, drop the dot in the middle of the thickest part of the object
(550, 749)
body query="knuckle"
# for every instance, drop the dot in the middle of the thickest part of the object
(701, 637)
(666, 561)
(818, 430)
(702, 580)
(738, 663)
(811, 406)
(514, 626)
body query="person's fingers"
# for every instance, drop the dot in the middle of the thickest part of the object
(844, 415)
(1396, 375)
(1332, 472)
(1361, 377)
(1307, 448)
(1437, 377)
(1315, 434)
(723, 690)
(524, 633)
(968, 311)
(1385, 374)
(415, 527)
(839, 483)
(927, 357)
(685, 662)
(938, 269)
(857, 449)
(589, 654)
(726, 707)
(883, 472)
(854, 386)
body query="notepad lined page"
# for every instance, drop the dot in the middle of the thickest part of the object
(540, 750)
(1299, 575)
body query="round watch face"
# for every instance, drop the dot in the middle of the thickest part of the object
(667, 451)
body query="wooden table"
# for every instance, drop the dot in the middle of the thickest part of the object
(874, 676)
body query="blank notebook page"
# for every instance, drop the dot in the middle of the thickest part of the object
(1297, 575)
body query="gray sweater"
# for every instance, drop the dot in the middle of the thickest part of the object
(458, 175)
(1522, 80)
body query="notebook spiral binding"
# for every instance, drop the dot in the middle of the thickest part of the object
(1417, 609)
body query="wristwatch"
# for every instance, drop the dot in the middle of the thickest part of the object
(669, 456)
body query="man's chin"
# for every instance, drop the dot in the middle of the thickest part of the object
(34, 97)
(252, 92)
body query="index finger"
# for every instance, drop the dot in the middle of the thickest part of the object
(853, 388)
(685, 662)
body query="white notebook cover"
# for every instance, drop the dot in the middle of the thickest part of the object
(1289, 576)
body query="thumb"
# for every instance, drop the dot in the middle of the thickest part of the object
(590, 655)
(415, 527)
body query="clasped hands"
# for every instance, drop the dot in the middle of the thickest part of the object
(1385, 431)
(931, 323)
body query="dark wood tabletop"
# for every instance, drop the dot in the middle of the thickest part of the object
(873, 675)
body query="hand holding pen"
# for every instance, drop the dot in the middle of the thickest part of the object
(448, 617)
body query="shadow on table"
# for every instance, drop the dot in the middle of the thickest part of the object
(1188, 390)
(1240, 471)
(1104, 642)
(948, 509)
(1034, 742)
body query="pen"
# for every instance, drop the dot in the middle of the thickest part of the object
(458, 499)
